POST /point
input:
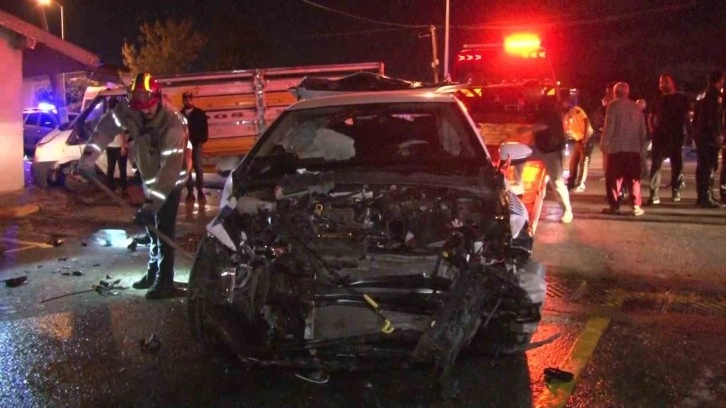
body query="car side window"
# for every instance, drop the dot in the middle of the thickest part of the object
(47, 121)
(32, 119)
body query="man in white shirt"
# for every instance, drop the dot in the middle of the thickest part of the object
(117, 153)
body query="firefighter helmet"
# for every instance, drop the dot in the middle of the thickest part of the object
(144, 92)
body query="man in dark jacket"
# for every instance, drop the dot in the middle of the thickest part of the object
(667, 123)
(198, 135)
(708, 121)
(549, 143)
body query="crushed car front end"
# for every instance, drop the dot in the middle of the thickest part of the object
(367, 230)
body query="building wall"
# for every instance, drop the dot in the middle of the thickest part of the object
(11, 117)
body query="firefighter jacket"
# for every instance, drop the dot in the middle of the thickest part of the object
(160, 146)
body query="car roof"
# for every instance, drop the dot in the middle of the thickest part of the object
(360, 98)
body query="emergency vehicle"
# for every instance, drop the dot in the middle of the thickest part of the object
(489, 79)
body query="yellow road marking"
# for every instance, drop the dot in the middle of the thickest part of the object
(557, 393)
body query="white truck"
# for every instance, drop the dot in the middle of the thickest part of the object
(239, 105)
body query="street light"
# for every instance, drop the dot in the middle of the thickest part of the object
(447, 77)
(46, 3)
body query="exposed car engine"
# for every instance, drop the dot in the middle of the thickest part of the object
(353, 267)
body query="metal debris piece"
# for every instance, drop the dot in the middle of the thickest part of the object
(122, 370)
(104, 288)
(66, 273)
(67, 294)
(151, 345)
(315, 377)
(83, 243)
(96, 265)
(62, 259)
(77, 273)
(15, 282)
(552, 373)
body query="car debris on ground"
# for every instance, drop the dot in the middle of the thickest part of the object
(553, 373)
(15, 282)
(150, 345)
(105, 287)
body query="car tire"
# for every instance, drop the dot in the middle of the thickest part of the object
(200, 303)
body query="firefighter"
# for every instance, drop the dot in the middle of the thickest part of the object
(160, 148)
(708, 123)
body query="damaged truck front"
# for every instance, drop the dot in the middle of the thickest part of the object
(364, 230)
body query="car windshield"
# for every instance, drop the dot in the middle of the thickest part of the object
(433, 137)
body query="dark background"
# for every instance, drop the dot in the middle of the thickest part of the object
(591, 41)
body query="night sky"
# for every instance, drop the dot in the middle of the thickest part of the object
(592, 41)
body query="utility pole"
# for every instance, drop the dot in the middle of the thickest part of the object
(447, 76)
(57, 81)
(435, 55)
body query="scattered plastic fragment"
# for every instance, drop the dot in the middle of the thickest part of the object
(151, 345)
(552, 373)
(15, 282)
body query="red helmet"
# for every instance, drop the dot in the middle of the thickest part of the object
(144, 92)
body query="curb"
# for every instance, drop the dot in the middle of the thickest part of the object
(19, 211)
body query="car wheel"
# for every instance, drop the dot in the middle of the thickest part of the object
(200, 302)
(499, 339)
(57, 176)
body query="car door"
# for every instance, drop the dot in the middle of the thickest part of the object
(46, 123)
(30, 131)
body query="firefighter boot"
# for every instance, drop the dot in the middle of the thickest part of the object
(163, 287)
(146, 281)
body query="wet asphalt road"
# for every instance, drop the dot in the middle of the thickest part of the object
(656, 286)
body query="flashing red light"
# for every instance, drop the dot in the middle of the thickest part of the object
(522, 43)
(471, 57)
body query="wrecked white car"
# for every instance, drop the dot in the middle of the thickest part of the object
(364, 230)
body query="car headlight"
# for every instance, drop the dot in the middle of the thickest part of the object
(227, 191)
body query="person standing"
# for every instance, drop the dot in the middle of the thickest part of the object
(117, 153)
(644, 173)
(667, 123)
(708, 125)
(160, 140)
(198, 135)
(549, 143)
(577, 127)
(623, 140)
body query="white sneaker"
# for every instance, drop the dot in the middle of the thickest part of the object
(567, 217)
(637, 211)
(580, 188)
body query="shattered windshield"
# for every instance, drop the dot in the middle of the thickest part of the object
(428, 136)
